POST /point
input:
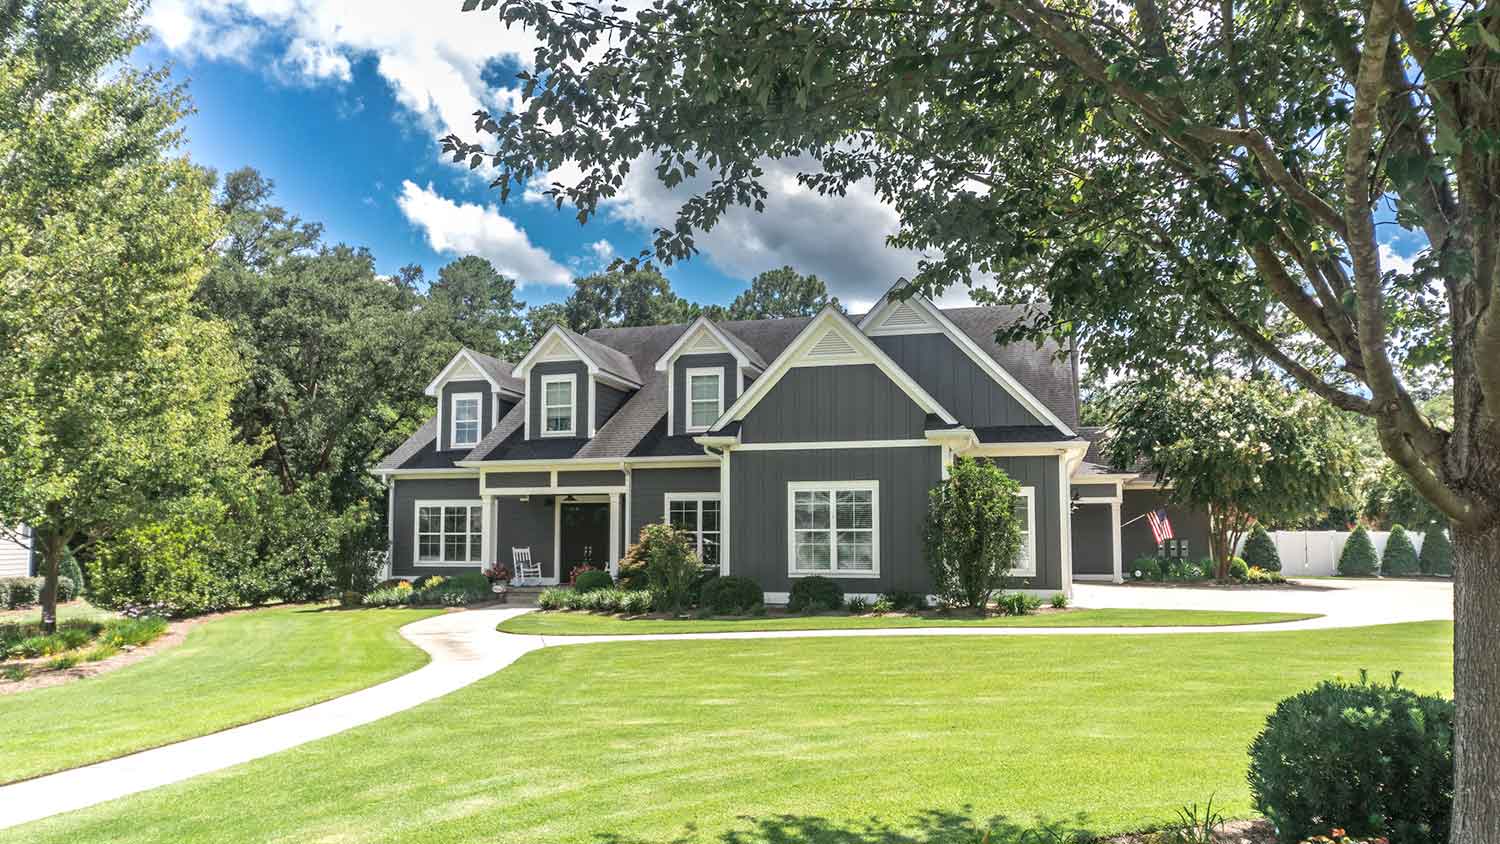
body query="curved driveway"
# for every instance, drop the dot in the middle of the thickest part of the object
(465, 647)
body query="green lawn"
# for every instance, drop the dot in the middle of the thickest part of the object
(229, 671)
(563, 623)
(785, 741)
(65, 612)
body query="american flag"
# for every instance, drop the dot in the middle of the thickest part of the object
(1161, 527)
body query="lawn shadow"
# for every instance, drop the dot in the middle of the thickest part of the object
(936, 826)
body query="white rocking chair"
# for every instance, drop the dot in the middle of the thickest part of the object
(526, 571)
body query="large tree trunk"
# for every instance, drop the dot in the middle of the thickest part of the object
(53, 547)
(1476, 683)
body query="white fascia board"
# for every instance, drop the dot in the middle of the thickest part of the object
(702, 323)
(793, 353)
(966, 343)
(464, 356)
(523, 368)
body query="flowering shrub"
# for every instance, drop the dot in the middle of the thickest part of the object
(498, 572)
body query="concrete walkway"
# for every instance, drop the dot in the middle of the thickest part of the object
(465, 647)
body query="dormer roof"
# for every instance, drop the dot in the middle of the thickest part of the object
(609, 364)
(468, 364)
(703, 335)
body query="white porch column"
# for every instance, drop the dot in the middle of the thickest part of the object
(614, 534)
(487, 531)
(1114, 510)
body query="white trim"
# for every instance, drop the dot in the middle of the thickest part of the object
(671, 401)
(416, 533)
(593, 413)
(829, 445)
(430, 474)
(1044, 449)
(464, 355)
(453, 400)
(614, 534)
(1114, 509)
(523, 368)
(526, 411)
(724, 460)
(699, 497)
(487, 528)
(832, 487)
(992, 367)
(717, 373)
(1065, 511)
(501, 467)
(1102, 578)
(390, 529)
(879, 328)
(549, 490)
(831, 319)
(1028, 493)
(571, 379)
(702, 323)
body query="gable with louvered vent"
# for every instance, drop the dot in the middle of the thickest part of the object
(705, 344)
(831, 345)
(904, 318)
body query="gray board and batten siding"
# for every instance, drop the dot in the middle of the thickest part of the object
(833, 403)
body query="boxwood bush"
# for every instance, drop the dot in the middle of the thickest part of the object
(1400, 557)
(1260, 550)
(1372, 759)
(815, 594)
(1239, 569)
(593, 579)
(1358, 559)
(1145, 568)
(731, 595)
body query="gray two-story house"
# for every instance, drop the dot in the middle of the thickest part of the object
(785, 448)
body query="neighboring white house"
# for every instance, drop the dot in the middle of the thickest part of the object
(15, 557)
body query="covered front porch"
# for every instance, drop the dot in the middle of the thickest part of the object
(563, 522)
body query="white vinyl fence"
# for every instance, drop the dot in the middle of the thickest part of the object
(1313, 553)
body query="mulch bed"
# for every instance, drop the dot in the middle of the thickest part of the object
(1233, 832)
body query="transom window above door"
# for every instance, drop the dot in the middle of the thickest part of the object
(697, 516)
(833, 529)
(558, 393)
(705, 397)
(467, 410)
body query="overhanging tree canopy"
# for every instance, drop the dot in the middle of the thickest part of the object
(1154, 176)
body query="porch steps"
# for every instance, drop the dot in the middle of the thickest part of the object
(523, 596)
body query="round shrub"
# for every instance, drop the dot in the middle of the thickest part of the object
(1146, 568)
(593, 579)
(730, 595)
(1400, 557)
(1358, 559)
(815, 594)
(1260, 550)
(1372, 759)
(1437, 553)
(1239, 569)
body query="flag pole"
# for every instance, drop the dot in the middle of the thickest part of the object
(1134, 520)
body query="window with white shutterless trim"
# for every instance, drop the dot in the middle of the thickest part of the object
(697, 515)
(559, 395)
(833, 528)
(705, 397)
(449, 533)
(466, 411)
(1024, 510)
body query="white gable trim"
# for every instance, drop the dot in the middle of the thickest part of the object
(897, 317)
(696, 329)
(557, 334)
(992, 367)
(463, 357)
(862, 351)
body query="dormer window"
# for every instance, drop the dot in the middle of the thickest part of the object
(558, 392)
(705, 397)
(467, 411)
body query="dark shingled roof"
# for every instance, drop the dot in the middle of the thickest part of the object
(638, 428)
(1095, 461)
(500, 370)
(420, 451)
(1019, 434)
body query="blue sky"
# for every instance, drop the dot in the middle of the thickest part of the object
(342, 103)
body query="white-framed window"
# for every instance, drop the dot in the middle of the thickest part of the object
(467, 410)
(559, 396)
(697, 515)
(705, 397)
(833, 528)
(449, 533)
(1025, 512)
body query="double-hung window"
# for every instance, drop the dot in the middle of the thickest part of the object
(557, 405)
(449, 533)
(698, 517)
(467, 410)
(834, 528)
(705, 397)
(1024, 509)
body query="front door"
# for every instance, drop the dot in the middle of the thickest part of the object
(584, 536)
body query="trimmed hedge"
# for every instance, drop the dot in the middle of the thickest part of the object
(1239, 569)
(593, 579)
(1372, 759)
(1145, 568)
(731, 595)
(1260, 550)
(814, 594)
(1358, 559)
(1437, 553)
(18, 592)
(1400, 557)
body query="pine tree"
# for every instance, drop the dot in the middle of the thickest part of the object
(1400, 558)
(1260, 550)
(1358, 559)
(1437, 553)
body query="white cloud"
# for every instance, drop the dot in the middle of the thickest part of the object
(602, 250)
(1390, 260)
(432, 55)
(468, 229)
